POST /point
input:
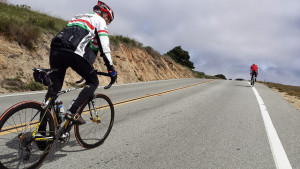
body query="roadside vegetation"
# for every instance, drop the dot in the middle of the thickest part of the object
(290, 90)
(117, 39)
(23, 25)
(16, 84)
(239, 79)
(181, 56)
(202, 75)
(221, 76)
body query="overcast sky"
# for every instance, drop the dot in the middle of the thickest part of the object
(221, 36)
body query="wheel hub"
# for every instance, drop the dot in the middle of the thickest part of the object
(25, 139)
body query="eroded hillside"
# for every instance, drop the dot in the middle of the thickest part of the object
(133, 64)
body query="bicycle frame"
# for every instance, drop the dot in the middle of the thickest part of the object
(36, 126)
(48, 105)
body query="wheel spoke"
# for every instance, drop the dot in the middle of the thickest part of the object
(94, 133)
(20, 150)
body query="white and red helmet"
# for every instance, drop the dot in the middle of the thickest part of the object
(102, 7)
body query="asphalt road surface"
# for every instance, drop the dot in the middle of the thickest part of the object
(187, 123)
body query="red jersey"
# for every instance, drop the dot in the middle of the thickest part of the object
(254, 68)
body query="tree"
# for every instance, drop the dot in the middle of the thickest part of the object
(181, 56)
(220, 76)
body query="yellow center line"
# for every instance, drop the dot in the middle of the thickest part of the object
(158, 94)
(15, 128)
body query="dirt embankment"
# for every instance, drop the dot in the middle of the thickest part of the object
(294, 100)
(132, 64)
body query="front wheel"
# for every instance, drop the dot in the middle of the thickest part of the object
(99, 116)
(18, 148)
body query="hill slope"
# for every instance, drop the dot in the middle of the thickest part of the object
(25, 37)
(133, 64)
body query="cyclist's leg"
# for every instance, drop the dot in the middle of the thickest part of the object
(255, 75)
(85, 70)
(57, 61)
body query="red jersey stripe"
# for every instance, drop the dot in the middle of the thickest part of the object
(86, 22)
(102, 31)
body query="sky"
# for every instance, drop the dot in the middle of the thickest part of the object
(222, 36)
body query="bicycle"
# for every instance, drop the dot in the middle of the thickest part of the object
(253, 78)
(28, 129)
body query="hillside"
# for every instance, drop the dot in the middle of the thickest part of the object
(132, 63)
(25, 37)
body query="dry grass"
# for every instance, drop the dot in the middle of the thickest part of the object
(21, 24)
(290, 90)
(117, 39)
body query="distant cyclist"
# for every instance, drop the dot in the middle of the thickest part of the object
(254, 71)
(73, 47)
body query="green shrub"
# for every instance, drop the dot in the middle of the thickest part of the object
(202, 75)
(220, 76)
(140, 78)
(181, 56)
(239, 79)
(21, 24)
(199, 74)
(117, 39)
(73, 84)
(34, 86)
(15, 84)
(152, 52)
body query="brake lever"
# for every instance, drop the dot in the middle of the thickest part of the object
(79, 81)
(105, 74)
(108, 86)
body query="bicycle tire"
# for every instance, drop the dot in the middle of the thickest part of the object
(93, 134)
(13, 121)
(252, 80)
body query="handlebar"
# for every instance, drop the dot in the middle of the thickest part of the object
(99, 73)
(105, 74)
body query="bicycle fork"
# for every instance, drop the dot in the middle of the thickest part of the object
(92, 109)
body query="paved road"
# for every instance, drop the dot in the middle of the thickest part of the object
(202, 124)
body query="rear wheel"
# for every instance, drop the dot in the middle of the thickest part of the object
(99, 116)
(18, 149)
(252, 80)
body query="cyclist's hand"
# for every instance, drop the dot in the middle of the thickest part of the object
(112, 73)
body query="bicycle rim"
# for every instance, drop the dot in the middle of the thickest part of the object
(23, 118)
(94, 132)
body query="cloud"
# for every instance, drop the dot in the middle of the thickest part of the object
(221, 36)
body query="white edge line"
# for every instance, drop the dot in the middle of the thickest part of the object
(279, 155)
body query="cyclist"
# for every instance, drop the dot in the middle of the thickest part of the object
(72, 48)
(254, 71)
